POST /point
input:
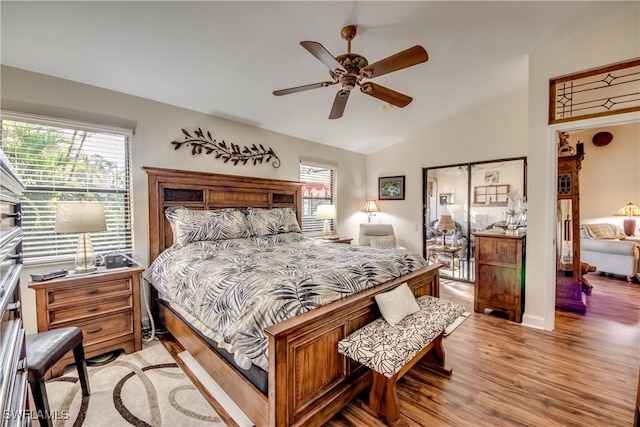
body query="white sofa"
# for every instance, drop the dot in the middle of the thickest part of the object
(605, 247)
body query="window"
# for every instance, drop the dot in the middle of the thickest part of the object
(65, 161)
(318, 189)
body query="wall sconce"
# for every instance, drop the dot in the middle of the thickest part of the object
(370, 207)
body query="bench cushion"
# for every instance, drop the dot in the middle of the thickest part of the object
(387, 348)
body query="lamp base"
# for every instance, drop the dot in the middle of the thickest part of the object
(629, 225)
(85, 256)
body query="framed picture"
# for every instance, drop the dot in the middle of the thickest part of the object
(491, 177)
(391, 188)
(446, 198)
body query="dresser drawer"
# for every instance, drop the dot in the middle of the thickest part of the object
(99, 307)
(106, 327)
(88, 294)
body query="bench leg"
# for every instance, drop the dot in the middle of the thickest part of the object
(383, 400)
(434, 360)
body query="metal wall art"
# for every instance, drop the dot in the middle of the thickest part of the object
(201, 142)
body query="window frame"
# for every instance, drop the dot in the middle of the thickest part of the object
(118, 239)
(316, 227)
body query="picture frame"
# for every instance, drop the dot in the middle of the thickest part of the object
(446, 198)
(391, 188)
(491, 177)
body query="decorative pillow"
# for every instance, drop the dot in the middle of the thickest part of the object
(263, 222)
(395, 305)
(382, 242)
(190, 225)
(604, 231)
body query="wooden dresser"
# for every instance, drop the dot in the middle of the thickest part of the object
(105, 305)
(13, 378)
(500, 273)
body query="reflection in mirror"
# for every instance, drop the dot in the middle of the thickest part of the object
(476, 196)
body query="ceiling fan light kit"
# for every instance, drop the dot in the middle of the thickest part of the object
(350, 69)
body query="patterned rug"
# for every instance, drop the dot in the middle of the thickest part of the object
(146, 388)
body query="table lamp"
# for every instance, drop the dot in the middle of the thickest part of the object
(326, 212)
(629, 210)
(83, 218)
(370, 207)
(445, 223)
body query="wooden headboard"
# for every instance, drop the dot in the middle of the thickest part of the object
(201, 190)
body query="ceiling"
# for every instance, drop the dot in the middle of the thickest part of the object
(226, 58)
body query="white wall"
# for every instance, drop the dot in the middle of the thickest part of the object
(610, 175)
(493, 131)
(156, 125)
(613, 40)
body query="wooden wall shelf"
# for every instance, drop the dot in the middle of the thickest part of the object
(490, 195)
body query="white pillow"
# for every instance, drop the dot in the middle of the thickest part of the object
(395, 305)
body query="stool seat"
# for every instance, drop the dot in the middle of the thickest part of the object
(45, 349)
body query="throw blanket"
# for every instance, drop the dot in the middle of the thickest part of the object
(233, 289)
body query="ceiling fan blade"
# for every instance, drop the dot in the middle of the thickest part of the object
(323, 55)
(302, 88)
(338, 104)
(385, 94)
(407, 58)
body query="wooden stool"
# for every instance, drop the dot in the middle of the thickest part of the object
(44, 350)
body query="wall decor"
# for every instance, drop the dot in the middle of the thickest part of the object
(446, 198)
(391, 188)
(491, 177)
(201, 142)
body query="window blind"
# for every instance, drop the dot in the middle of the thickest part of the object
(69, 163)
(318, 189)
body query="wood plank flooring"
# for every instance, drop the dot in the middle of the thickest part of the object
(584, 373)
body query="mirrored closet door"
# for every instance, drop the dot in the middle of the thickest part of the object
(464, 198)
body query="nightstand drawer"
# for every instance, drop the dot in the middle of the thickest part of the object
(98, 308)
(94, 292)
(107, 327)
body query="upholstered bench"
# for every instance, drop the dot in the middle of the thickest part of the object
(392, 350)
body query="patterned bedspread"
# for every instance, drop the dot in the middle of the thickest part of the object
(233, 289)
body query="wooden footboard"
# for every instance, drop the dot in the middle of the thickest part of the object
(309, 381)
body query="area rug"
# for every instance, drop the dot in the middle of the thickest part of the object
(146, 388)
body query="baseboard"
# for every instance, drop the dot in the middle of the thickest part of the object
(532, 321)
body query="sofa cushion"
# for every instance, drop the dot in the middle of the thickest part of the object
(617, 247)
(603, 231)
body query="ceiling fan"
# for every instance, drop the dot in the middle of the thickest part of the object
(350, 69)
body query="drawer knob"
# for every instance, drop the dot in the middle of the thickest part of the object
(92, 291)
(94, 330)
(92, 309)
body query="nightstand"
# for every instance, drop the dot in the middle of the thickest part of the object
(105, 305)
(338, 240)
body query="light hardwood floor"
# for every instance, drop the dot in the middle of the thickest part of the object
(583, 374)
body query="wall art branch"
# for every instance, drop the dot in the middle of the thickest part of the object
(201, 142)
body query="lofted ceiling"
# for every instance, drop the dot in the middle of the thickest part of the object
(226, 58)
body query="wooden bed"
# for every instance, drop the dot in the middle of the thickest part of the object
(309, 381)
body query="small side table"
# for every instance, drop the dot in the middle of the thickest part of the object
(104, 304)
(338, 240)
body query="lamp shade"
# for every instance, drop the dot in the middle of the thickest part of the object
(80, 217)
(445, 223)
(628, 210)
(326, 212)
(370, 206)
